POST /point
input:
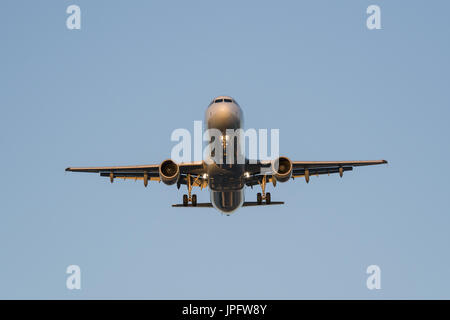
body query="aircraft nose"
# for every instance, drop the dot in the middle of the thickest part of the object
(224, 116)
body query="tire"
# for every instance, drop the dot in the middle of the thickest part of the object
(194, 200)
(185, 200)
(268, 198)
(258, 198)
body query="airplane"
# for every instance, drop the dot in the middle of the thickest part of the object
(226, 181)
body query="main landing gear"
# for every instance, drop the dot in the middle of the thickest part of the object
(264, 196)
(188, 197)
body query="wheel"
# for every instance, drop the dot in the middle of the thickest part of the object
(185, 200)
(194, 200)
(258, 198)
(268, 198)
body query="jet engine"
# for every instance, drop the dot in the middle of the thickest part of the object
(169, 172)
(282, 169)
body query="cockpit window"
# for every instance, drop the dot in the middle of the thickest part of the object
(227, 100)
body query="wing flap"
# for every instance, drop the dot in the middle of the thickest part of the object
(318, 171)
(131, 175)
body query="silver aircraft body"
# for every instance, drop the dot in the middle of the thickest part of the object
(226, 180)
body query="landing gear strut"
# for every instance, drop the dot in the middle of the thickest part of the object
(264, 196)
(188, 197)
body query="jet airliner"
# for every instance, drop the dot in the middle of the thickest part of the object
(226, 181)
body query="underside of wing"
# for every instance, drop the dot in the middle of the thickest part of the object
(316, 168)
(335, 164)
(138, 172)
(167, 169)
(263, 170)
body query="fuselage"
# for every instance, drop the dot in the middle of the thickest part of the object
(226, 180)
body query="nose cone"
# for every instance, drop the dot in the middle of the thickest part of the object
(224, 115)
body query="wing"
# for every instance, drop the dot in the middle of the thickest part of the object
(141, 172)
(307, 168)
(335, 164)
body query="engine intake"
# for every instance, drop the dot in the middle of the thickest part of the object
(169, 172)
(282, 169)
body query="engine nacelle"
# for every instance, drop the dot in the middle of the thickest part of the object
(169, 172)
(282, 169)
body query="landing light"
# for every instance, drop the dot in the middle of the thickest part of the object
(247, 175)
(225, 139)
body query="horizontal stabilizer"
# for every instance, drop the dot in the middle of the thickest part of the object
(254, 203)
(199, 205)
(209, 205)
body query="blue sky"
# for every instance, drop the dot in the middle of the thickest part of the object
(112, 93)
